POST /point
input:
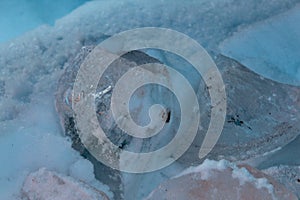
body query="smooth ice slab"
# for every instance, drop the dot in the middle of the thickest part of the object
(270, 48)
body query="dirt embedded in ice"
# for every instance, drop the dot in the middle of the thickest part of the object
(286, 175)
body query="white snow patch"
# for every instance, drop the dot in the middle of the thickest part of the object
(243, 175)
(206, 167)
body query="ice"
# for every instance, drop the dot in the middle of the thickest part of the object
(82, 170)
(30, 135)
(270, 48)
(288, 155)
(287, 175)
(17, 17)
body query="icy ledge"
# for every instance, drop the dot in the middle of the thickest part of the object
(221, 180)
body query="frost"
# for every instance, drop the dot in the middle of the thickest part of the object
(243, 175)
(206, 167)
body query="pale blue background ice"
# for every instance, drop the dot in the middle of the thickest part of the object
(270, 48)
(19, 16)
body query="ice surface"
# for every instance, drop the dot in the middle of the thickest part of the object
(270, 48)
(287, 175)
(288, 155)
(30, 136)
(82, 170)
(17, 17)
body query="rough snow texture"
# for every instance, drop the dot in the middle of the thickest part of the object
(48, 185)
(216, 180)
(287, 175)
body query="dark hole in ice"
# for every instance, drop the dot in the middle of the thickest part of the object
(123, 144)
(168, 116)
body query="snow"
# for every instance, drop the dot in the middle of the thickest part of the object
(243, 175)
(206, 167)
(35, 143)
(208, 22)
(30, 134)
(271, 47)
